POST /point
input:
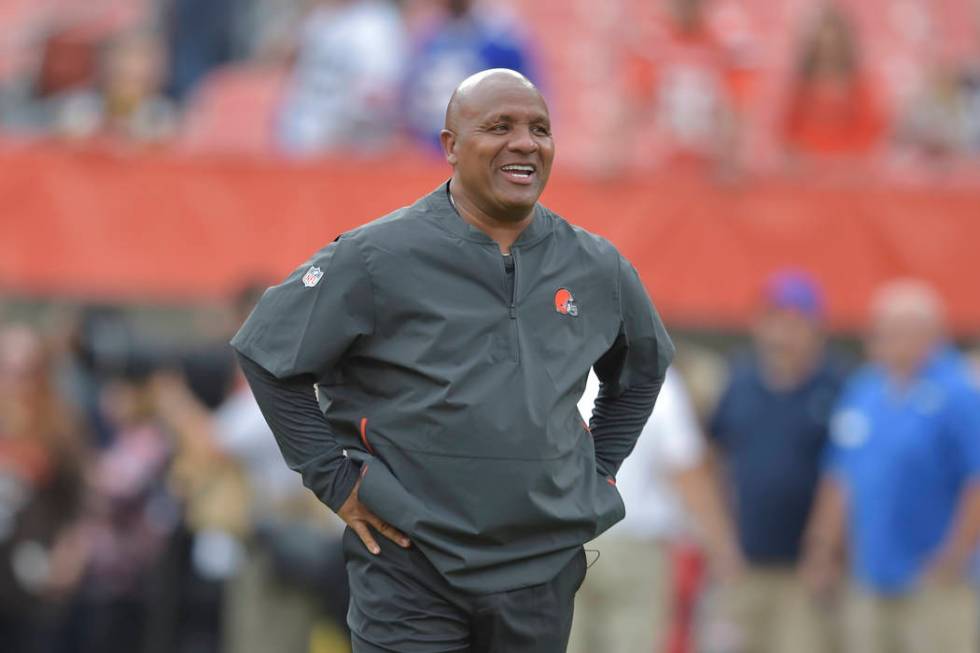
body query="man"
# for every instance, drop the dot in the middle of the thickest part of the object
(628, 607)
(449, 343)
(770, 428)
(903, 482)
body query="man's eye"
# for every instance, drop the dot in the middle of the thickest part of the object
(542, 131)
(499, 128)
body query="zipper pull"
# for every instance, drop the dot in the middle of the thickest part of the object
(513, 312)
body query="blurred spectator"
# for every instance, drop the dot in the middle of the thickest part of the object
(41, 491)
(131, 103)
(120, 98)
(128, 522)
(200, 37)
(833, 110)
(266, 29)
(99, 342)
(270, 606)
(253, 523)
(344, 92)
(293, 571)
(934, 125)
(627, 607)
(466, 39)
(770, 428)
(970, 82)
(686, 80)
(970, 89)
(902, 483)
(68, 64)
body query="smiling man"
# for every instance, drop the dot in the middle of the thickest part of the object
(449, 343)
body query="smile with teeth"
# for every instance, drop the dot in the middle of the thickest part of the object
(519, 171)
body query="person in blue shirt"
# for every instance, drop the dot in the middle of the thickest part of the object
(901, 485)
(466, 40)
(770, 430)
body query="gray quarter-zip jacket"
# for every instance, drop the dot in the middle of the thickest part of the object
(456, 390)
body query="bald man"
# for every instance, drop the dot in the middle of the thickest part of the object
(901, 486)
(449, 343)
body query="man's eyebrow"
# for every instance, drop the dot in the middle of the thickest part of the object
(506, 117)
(499, 117)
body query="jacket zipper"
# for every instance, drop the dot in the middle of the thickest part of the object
(513, 291)
(513, 307)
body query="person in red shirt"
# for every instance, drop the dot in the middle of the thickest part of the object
(832, 109)
(685, 81)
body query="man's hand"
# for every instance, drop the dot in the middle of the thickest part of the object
(820, 571)
(358, 517)
(728, 564)
(945, 569)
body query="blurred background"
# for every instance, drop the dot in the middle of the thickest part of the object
(797, 181)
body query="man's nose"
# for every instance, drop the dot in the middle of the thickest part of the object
(523, 140)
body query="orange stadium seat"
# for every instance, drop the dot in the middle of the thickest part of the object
(234, 109)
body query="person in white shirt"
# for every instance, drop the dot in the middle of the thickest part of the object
(623, 604)
(343, 96)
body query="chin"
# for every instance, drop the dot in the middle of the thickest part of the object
(515, 210)
(519, 201)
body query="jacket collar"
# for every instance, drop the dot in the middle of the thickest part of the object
(445, 214)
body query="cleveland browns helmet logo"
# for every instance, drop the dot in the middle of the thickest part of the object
(565, 303)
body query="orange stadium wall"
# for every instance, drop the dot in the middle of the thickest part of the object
(89, 224)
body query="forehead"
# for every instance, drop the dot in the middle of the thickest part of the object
(897, 320)
(517, 102)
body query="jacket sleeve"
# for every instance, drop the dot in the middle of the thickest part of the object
(304, 437)
(630, 373)
(297, 335)
(306, 324)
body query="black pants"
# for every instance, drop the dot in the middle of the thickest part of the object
(401, 604)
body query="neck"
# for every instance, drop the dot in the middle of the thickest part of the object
(503, 231)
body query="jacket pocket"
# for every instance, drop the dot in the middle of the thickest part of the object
(609, 506)
(386, 497)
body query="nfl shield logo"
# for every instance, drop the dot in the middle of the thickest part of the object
(312, 276)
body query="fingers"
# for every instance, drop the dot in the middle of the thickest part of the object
(388, 531)
(364, 533)
(392, 533)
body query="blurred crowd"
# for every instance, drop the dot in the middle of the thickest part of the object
(791, 499)
(784, 496)
(709, 83)
(802, 501)
(310, 76)
(144, 505)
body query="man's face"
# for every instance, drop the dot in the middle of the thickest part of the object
(788, 338)
(900, 342)
(501, 149)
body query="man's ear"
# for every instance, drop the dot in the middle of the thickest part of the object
(448, 140)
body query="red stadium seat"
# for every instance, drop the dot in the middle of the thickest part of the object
(233, 110)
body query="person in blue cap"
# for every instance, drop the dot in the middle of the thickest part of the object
(770, 429)
(901, 485)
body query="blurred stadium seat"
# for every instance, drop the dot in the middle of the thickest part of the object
(234, 109)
